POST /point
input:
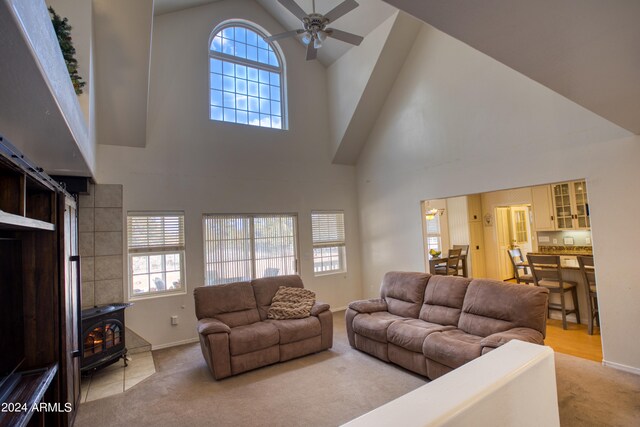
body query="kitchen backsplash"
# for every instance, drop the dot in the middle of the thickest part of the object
(568, 249)
(574, 238)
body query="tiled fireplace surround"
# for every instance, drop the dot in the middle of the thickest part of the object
(100, 226)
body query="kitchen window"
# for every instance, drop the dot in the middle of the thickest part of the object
(328, 242)
(156, 249)
(240, 247)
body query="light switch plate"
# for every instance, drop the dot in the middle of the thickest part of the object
(568, 240)
(543, 239)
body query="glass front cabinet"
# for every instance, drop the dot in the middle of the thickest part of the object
(571, 205)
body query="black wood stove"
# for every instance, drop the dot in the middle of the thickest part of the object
(103, 336)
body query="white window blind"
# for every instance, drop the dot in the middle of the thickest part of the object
(328, 242)
(433, 235)
(328, 229)
(156, 232)
(244, 247)
(156, 253)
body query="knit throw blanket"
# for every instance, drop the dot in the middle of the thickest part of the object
(291, 303)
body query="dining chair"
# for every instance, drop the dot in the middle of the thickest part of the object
(588, 271)
(520, 266)
(463, 254)
(547, 272)
(450, 268)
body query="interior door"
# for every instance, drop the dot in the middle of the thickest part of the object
(503, 228)
(521, 228)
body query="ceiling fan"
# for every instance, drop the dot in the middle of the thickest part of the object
(315, 29)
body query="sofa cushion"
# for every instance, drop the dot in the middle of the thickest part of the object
(291, 303)
(410, 334)
(452, 348)
(292, 330)
(233, 304)
(253, 337)
(265, 289)
(404, 292)
(368, 305)
(491, 306)
(374, 325)
(443, 299)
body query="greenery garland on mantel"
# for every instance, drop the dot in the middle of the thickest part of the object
(63, 32)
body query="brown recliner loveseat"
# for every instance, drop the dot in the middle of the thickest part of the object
(236, 336)
(434, 324)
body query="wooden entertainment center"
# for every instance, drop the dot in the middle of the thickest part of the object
(39, 296)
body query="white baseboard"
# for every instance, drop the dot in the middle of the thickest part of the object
(334, 310)
(173, 344)
(621, 367)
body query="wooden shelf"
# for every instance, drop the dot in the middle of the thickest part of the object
(11, 221)
(29, 391)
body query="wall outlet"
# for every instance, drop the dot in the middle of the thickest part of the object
(555, 241)
(587, 240)
(174, 320)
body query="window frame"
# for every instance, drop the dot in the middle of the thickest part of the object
(437, 235)
(252, 238)
(341, 248)
(157, 250)
(281, 70)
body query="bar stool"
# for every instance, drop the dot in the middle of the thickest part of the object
(519, 266)
(589, 277)
(546, 271)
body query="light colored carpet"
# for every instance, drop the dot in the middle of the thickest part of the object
(326, 389)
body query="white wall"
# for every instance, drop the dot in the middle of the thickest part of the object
(200, 166)
(458, 122)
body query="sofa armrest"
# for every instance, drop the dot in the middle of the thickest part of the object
(522, 334)
(212, 326)
(369, 306)
(319, 307)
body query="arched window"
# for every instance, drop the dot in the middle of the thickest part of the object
(246, 77)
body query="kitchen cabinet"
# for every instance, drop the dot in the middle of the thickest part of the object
(571, 205)
(542, 206)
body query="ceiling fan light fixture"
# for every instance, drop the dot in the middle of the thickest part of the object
(317, 42)
(306, 38)
(322, 35)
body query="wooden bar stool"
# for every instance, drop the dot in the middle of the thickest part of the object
(589, 277)
(519, 266)
(547, 272)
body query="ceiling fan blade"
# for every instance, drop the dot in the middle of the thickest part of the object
(293, 7)
(344, 36)
(341, 9)
(284, 35)
(312, 52)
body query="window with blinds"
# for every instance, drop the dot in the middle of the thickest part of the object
(244, 247)
(433, 234)
(156, 248)
(329, 254)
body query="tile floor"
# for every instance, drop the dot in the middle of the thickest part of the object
(116, 378)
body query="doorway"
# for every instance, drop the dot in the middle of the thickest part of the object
(513, 229)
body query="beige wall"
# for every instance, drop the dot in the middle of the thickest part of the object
(200, 166)
(458, 122)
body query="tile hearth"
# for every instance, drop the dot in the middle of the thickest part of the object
(116, 378)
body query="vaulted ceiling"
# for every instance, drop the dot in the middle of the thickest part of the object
(586, 50)
(364, 19)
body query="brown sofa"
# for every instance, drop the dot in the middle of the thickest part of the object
(434, 324)
(236, 336)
